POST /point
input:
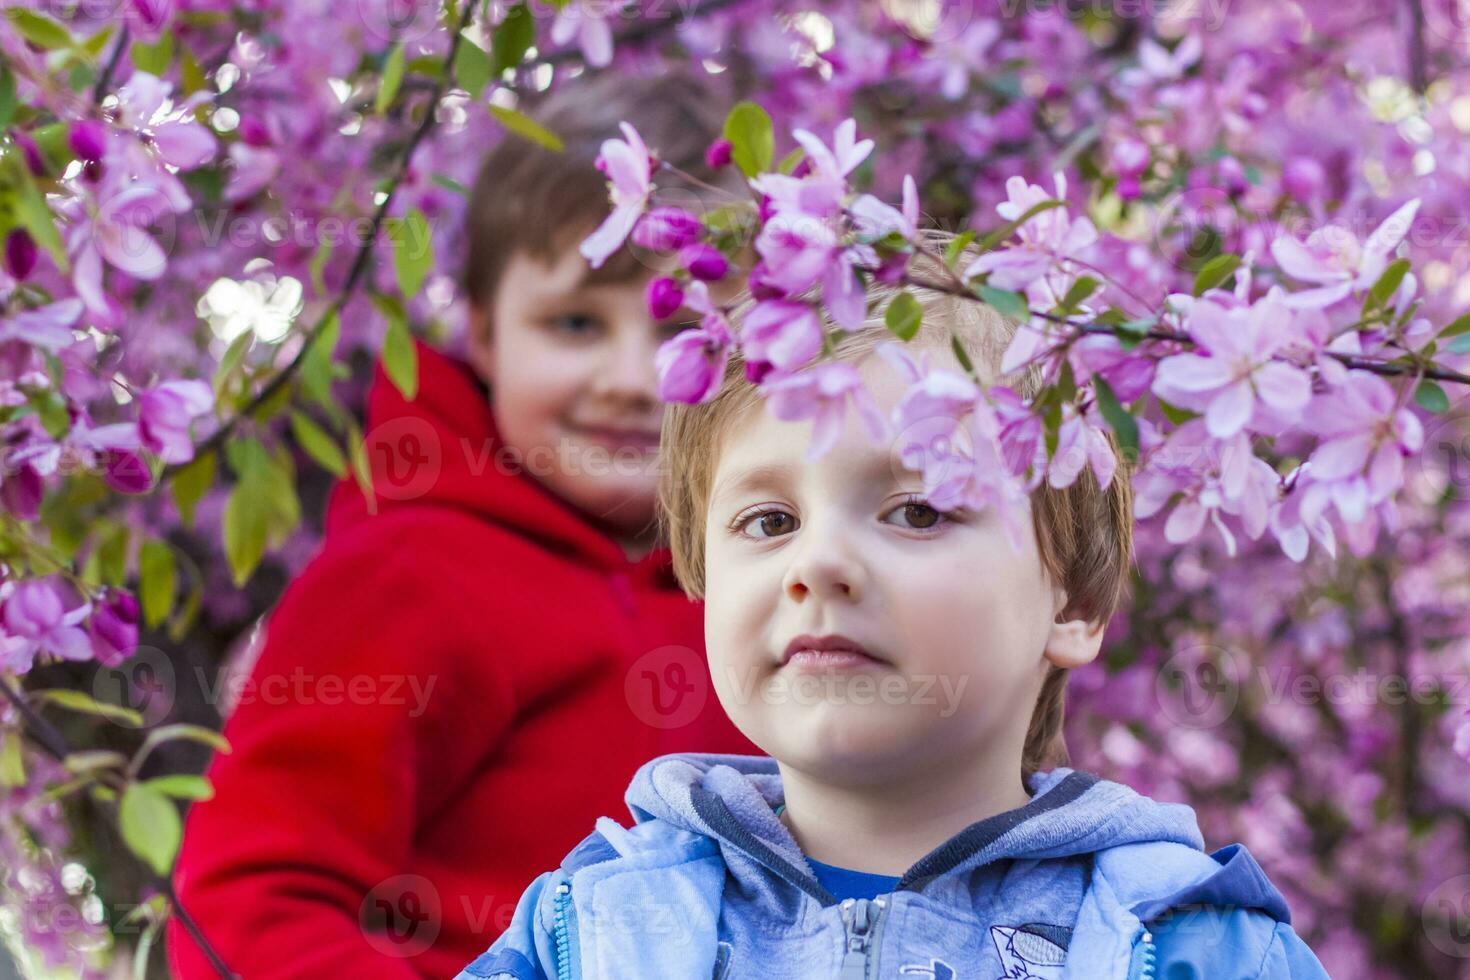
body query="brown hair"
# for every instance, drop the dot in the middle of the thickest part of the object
(1084, 534)
(531, 198)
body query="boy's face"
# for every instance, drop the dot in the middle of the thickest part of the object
(571, 373)
(962, 623)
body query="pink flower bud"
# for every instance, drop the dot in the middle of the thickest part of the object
(666, 229)
(704, 262)
(115, 628)
(88, 139)
(1303, 178)
(664, 296)
(718, 154)
(20, 253)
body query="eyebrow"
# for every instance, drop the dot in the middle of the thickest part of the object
(876, 466)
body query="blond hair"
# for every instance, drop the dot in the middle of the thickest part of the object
(1084, 534)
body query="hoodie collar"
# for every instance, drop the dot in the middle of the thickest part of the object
(444, 449)
(731, 799)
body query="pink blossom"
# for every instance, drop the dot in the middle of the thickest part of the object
(1081, 441)
(780, 335)
(952, 61)
(48, 327)
(1045, 240)
(875, 219)
(629, 169)
(1333, 257)
(37, 616)
(116, 232)
(253, 168)
(1235, 367)
(1166, 65)
(667, 229)
(115, 628)
(1365, 437)
(165, 413)
(587, 24)
(824, 393)
(691, 364)
(176, 136)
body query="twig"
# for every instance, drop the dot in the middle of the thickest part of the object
(49, 737)
(105, 79)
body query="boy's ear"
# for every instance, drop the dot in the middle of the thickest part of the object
(479, 345)
(1072, 642)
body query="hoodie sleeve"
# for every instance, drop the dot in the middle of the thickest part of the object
(523, 951)
(1231, 944)
(1289, 958)
(360, 718)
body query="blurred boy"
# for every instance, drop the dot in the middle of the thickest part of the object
(506, 627)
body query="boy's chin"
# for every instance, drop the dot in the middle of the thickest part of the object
(847, 749)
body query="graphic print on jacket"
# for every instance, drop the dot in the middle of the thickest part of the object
(1034, 951)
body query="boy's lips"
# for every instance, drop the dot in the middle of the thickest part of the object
(641, 438)
(833, 650)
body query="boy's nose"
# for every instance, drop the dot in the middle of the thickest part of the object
(826, 566)
(628, 371)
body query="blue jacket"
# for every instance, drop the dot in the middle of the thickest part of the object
(1088, 880)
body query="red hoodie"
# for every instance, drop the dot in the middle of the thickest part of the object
(450, 694)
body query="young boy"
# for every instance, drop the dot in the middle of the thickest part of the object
(504, 628)
(905, 670)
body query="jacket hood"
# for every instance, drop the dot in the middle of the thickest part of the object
(444, 449)
(1155, 851)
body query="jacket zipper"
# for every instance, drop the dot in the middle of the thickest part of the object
(858, 923)
(1147, 959)
(562, 933)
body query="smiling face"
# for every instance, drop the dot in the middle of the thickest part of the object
(961, 624)
(570, 366)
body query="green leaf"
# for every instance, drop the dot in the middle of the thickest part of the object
(230, 362)
(318, 264)
(29, 204)
(401, 359)
(150, 826)
(316, 366)
(1122, 421)
(84, 703)
(248, 511)
(178, 730)
(472, 68)
(1431, 397)
(318, 444)
(1008, 229)
(7, 96)
(112, 554)
(158, 576)
(12, 763)
(450, 184)
(1008, 304)
(752, 138)
(1388, 283)
(956, 246)
(512, 39)
(1457, 326)
(1081, 289)
(1215, 271)
(789, 162)
(192, 482)
(1460, 344)
(392, 79)
(39, 29)
(154, 58)
(362, 470)
(904, 315)
(181, 786)
(961, 354)
(413, 251)
(524, 126)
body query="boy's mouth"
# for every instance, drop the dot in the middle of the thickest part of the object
(834, 650)
(641, 438)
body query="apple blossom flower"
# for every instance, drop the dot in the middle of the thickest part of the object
(824, 393)
(39, 616)
(629, 169)
(779, 335)
(1334, 259)
(165, 413)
